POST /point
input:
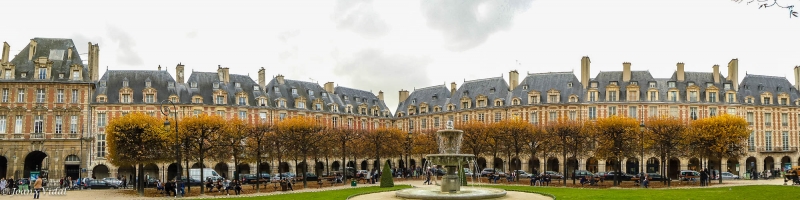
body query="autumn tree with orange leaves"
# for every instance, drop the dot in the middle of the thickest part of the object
(511, 133)
(135, 139)
(383, 141)
(202, 132)
(231, 144)
(424, 143)
(257, 144)
(666, 134)
(719, 136)
(301, 133)
(572, 139)
(476, 139)
(616, 138)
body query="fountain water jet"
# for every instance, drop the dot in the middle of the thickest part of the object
(450, 157)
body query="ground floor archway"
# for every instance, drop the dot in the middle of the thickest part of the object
(198, 165)
(552, 164)
(612, 164)
(172, 170)
(283, 167)
(591, 165)
(497, 163)
(222, 169)
(319, 167)
(3, 166)
(534, 165)
(125, 171)
(33, 162)
(266, 168)
(751, 164)
(674, 168)
(243, 168)
(733, 166)
(694, 164)
(652, 165)
(786, 160)
(364, 165)
(572, 165)
(413, 163)
(100, 171)
(481, 163)
(151, 171)
(632, 165)
(335, 166)
(515, 164)
(769, 163)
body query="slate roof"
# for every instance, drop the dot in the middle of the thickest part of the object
(542, 82)
(699, 79)
(111, 83)
(750, 87)
(43, 47)
(642, 78)
(303, 88)
(473, 88)
(205, 88)
(364, 97)
(425, 95)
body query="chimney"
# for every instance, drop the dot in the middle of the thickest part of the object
(222, 72)
(94, 61)
(179, 73)
(281, 82)
(797, 77)
(626, 72)
(452, 88)
(733, 73)
(329, 87)
(403, 95)
(69, 53)
(585, 62)
(715, 68)
(680, 72)
(380, 95)
(513, 79)
(31, 49)
(6, 48)
(159, 67)
(262, 78)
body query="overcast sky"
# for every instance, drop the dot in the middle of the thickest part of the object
(393, 45)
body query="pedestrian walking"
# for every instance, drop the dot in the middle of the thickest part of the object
(37, 187)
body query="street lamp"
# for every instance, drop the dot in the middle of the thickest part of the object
(165, 111)
(408, 148)
(641, 161)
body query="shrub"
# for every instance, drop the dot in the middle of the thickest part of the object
(386, 177)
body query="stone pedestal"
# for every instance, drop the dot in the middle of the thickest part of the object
(450, 181)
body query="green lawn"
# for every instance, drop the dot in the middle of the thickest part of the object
(737, 192)
(331, 194)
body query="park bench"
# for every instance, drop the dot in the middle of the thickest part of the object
(688, 179)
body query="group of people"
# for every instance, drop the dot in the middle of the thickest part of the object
(7, 187)
(226, 185)
(430, 174)
(706, 176)
(542, 179)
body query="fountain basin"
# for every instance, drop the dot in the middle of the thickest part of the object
(450, 159)
(465, 193)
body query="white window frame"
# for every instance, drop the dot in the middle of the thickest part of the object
(59, 124)
(101, 120)
(60, 96)
(73, 124)
(18, 124)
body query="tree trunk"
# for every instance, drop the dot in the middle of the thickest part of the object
(202, 189)
(258, 168)
(566, 173)
(305, 166)
(140, 181)
(720, 169)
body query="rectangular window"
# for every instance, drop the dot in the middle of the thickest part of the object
(3, 124)
(39, 95)
(750, 118)
(592, 113)
(632, 95)
(534, 118)
(732, 111)
(101, 146)
(334, 120)
(465, 118)
(149, 98)
(673, 111)
(59, 122)
(126, 98)
(653, 111)
(693, 113)
(632, 112)
(76, 75)
(572, 115)
(553, 98)
(785, 140)
(436, 122)
(60, 96)
(74, 97)
(693, 96)
(592, 96)
(768, 140)
(712, 112)
(653, 96)
(783, 101)
(38, 124)
(242, 114)
(73, 124)
(42, 73)
(7, 74)
(730, 97)
(497, 117)
(5, 95)
(197, 112)
(553, 117)
(424, 123)
(18, 124)
(221, 113)
(784, 119)
(242, 101)
(20, 95)
(767, 101)
(767, 119)
(220, 99)
(101, 120)
(262, 116)
(751, 141)
(673, 96)
(480, 117)
(363, 124)
(612, 111)
(350, 123)
(612, 96)
(712, 97)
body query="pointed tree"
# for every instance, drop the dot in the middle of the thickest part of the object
(257, 144)
(666, 134)
(135, 139)
(202, 132)
(301, 133)
(616, 138)
(386, 176)
(721, 136)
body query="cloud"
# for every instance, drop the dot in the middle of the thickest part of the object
(359, 16)
(372, 69)
(468, 23)
(126, 55)
(191, 34)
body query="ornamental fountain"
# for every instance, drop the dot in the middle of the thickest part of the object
(449, 156)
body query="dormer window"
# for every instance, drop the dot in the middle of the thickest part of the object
(634, 83)
(671, 84)
(61, 75)
(24, 74)
(237, 85)
(255, 88)
(357, 100)
(491, 90)
(525, 87)
(709, 84)
(434, 97)
(275, 89)
(727, 86)
(124, 83)
(309, 92)
(324, 94)
(42, 73)
(569, 85)
(193, 84)
(413, 101)
(171, 84)
(612, 83)
(515, 102)
(147, 84)
(102, 83)
(690, 84)
(652, 84)
(215, 85)
(594, 84)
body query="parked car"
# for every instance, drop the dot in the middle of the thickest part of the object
(113, 181)
(523, 174)
(487, 171)
(583, 173)
(467, 172)
(362, 173)
(554, 175)
(311, 176)
(609, 176)
(249, 178)
(193, 182)
(99, 184)
(728, 176)
(685, 174)
(655, 176)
